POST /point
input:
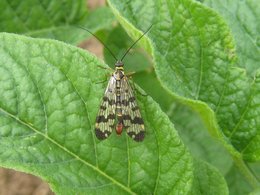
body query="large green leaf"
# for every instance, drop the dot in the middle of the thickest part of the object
(194, 60)
(206, 182)
(48, 104)
(195, 136)
(243, 17)
(237, 183)
(53, 19)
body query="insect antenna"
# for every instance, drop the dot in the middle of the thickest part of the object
(99, 41)
(135, 43)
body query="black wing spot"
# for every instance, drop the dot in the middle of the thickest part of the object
(132, 99)
(136, 120)
(103, 107)
(135, 108)
(110, 102)
(102, 135)
(105, 98)
(137, 137)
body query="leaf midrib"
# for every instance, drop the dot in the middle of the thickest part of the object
(67, 151)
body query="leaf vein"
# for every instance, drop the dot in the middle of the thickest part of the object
(41, 99)
(242, 116)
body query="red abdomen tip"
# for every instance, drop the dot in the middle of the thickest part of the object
(119, 128)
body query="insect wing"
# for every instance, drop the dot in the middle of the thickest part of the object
(133, 122)
(106, 116)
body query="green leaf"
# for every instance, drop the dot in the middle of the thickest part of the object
(48, 104)
(194, 60)
(195, 136)
(148, 81)
(202, 146)
(243, 17)
(188, 124)
(206, 182)
(99, 19)
(53, 19)
(237, 183)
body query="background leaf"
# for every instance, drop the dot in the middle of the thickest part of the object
(236, 181)
(194, 60)
(53, 19)
(206, 182)
(243, 19)
(195, 136)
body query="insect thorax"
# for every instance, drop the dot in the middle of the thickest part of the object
(119, 74)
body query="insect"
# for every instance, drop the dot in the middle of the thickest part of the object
(119, 109)
(119, 105)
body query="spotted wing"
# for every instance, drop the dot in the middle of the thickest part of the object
(106, 116)
(132, 120)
